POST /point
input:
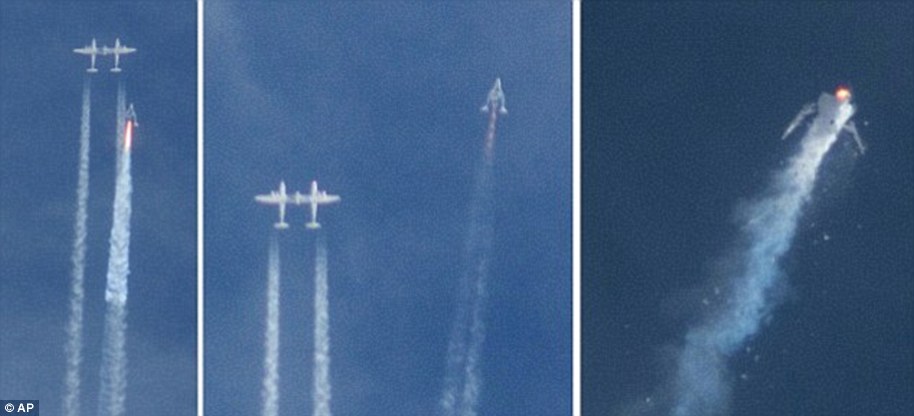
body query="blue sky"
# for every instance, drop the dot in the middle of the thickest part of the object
(681, 120)
(683, 106)
(380, 103)
(40, 106)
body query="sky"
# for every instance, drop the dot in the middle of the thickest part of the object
(683, 108)
(380, 102)
(41, 82)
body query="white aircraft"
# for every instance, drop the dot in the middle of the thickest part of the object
(315, 198)
(496, 99)
(833, 115)
(131, 115)
(117, 50)
(93, 51)
(281, 198)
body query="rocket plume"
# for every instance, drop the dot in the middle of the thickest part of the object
(112, 393)
(463, 380)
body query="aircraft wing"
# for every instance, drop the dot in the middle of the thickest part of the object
(271, 199)
(118, 50)
(319, 199)
(299, 198)
(326, 199)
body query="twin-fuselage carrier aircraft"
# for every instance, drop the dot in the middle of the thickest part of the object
(281, 198)
(93, 50)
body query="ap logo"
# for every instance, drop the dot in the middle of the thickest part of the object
(20, 407)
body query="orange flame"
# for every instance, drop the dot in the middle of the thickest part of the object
(843, 94)
(128, 135)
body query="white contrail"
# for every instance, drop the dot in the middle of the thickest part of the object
(112, 393)
(321, 391)
(456, 350)
(74, 345)
(473, 382)
(463, 381)
(700, 385)
(270, 392)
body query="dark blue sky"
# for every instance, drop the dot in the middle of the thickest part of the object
(683, 106)
(41, 82)
(380, 103)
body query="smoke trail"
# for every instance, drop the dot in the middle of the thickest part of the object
(700, 382)
(112, 394)
(74, 345)
(463, 380)
(270, 392)
(321, 332)
(456, 351)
